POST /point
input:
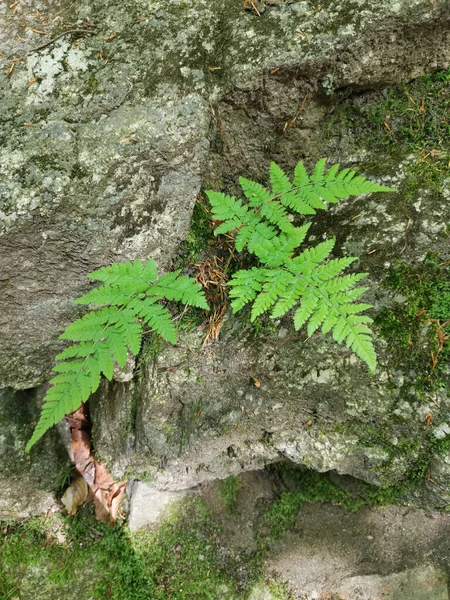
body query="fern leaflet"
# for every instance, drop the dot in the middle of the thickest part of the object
(129, 296)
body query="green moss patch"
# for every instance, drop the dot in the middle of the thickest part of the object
(228, 491)
(413, 118)
(180, 559)
(417, 324)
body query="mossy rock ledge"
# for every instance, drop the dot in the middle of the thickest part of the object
(108, 135)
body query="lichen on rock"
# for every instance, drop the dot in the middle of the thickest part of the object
(108, 135)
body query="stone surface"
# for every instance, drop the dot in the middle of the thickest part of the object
(200, 416)
(373, 554)
(102, 153)
(331, 553)
(28, 482)
(148, 504)
(106, 138)
(424, 583)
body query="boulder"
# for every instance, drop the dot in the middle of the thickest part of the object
(112, 122)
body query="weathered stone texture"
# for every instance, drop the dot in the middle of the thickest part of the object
(106, 138)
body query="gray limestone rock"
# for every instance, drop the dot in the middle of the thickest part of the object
(148, 504)
(106, 136)
(199, 415)
(28, 482)
(105, 133)
(423, 583)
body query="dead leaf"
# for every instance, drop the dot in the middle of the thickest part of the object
(81, 448)
(429, 478)
(32, 82)
(422, 108)
(197, 415)
(428, 420)
(107, 495)
(434, 361)
(101, 506)
(111, 37)
(100, 486)
(77, 419)
(38, 31)
(116, 500)
(250, 4)
(290, 123)
(75, 495)
(128, 140)
(142, 19)
(256, 382)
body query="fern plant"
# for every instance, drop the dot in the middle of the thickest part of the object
(130, 296)
(308, 282)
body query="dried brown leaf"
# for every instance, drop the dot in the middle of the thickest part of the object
(75, 495)
(101, 506)
(81, 448)
(116, 500)
(32, 82)
(256, 382)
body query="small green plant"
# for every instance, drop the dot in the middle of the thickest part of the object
(264, 225)
(130, 296)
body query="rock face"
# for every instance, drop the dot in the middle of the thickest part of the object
(420, 584)
(365, 556)
(104, 140)
(28, 482)
(107, 136)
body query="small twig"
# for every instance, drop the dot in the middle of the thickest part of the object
(49, 43)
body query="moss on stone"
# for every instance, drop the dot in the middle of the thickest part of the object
(411, 324)
(228, 491)
(181, 559)
(199, 237)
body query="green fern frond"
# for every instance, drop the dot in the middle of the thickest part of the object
(65, 395)
(260, 240)
(103, 338)
(308, 260)
(126, 271)
(157, 317)
(115, 294)
(309, 302)
(310, 283)
(276, 214)
(274, 286)
(227, 209)
(281, 247)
